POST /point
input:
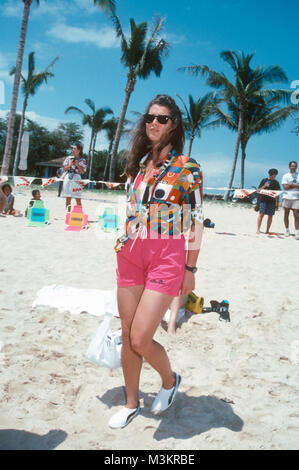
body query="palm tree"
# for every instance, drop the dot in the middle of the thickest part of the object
(110, 126)
(296, 128)
(30, 86)
(247, 86)
(141, 56)
(16, 85)
(198, 115)
(95, 121)
(263, 115)
(106, 5)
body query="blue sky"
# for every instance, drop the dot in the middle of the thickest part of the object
(89, 65)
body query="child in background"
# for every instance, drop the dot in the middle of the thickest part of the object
(10, 199)
(35, 197)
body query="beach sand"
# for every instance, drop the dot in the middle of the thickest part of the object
(239, 380)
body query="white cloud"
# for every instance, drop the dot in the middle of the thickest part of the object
(216, 167)
(102, 38)
(48, 122)
(56, 8)
(12, 9)
(5, 66)
(174, 38)
(87, 6)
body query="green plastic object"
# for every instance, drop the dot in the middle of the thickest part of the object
(38, 215)
(109, 220)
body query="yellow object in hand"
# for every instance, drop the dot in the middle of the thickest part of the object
(194, 303)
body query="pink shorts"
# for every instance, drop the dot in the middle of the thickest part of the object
(158, 264)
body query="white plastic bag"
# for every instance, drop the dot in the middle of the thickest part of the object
(105, 346)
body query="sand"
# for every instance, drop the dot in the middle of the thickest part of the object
(239, 380)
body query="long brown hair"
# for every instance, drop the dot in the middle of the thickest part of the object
(80, 148)
(141, 145)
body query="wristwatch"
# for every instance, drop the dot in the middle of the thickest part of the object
(193, 270)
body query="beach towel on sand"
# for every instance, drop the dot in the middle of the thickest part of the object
(76, 300)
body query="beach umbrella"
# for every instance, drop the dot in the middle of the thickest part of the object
(24, 151)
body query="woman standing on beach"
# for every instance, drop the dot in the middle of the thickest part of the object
(164, 193)
(75, 167)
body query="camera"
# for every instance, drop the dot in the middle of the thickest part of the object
(71, 171)
(219, 307)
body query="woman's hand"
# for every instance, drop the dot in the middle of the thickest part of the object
(188, 284)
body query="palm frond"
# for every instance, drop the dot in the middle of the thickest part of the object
(71, 109)
(107, 6)
(51, 65)
(279, 95)
(136, 44)
(90, 103)
(31, 64)
(195, 70)
(119, 32)
(185, 108)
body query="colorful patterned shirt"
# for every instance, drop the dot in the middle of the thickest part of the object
(81, 161)
(169, 204)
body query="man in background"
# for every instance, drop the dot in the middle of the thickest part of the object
(268, 204)
(290, 200)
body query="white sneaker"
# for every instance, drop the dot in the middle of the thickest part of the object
(165, 397)
(287, 232)
(123, 417)
(297, 235)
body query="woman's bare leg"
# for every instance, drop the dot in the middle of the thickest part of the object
(128, 300)
(149, 313)
(176, 304)
(68, 203)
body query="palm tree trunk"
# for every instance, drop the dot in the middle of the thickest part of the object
(89, 150)
(129, 89)
(105, 176)
(231, 179)
(92, 153)
(15, 92)
(90, 147)
(191, 142)
(21, 132)
(243, 146)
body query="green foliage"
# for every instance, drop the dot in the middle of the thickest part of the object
(245, 96)
(99, 165)
(198, 115)
(142, 53)
(44, 145)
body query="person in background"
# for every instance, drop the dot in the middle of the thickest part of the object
(35, 197)
(74, 166)
(10, 200)
(290, 199)
(3, 198)
(267, 204)
(60, 174)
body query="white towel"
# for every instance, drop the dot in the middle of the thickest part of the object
(75, 300)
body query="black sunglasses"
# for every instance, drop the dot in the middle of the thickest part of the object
(161, 118)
